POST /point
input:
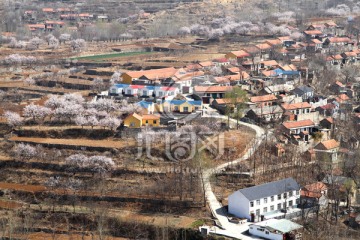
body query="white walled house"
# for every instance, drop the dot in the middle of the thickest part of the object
(117, 89)
(161, 92)
(276, 229)
(266, 199)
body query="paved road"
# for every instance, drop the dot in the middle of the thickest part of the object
(230, 229)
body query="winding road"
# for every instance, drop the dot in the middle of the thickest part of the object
(230, 229)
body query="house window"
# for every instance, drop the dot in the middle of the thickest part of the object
(257, 212)
(186, 109)
(132, 124)
(251, 204)
(144, 93)
(146, 121)
(129, 92)
(285, 195)
(290, 194)
(272, 208)
(297, 192)
(265, 209)
(154, 121)
(279, 206)
(266, 232)
(284, 205)
(265, 200)
(257, 202)
(279, 197)
(272, 198)
(290, 203)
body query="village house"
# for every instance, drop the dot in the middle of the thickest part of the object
(299, 129)
(313, 34)
(237, 56)
(225, 105)
(329, 109)
(305, 92)
(341, 188)
(265, 201)
(36, 28)
(313, 194)
(265, 51)
(148, 76)
(207, 93)
(182, 106)
(327, 152)
(276, 229)
(349, 57)
(135, 120)
(300, 111)
(338, 44)
(265, 114)
(337, 87)
(265, 100)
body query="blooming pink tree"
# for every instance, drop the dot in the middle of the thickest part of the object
(53, 43)
(110, 122)
(101, 164)
(184, 31)
(115, 78)
(92, 121)
(68, 111)
(80, 120)
(64, 37)
(104, 104)
(34, 43)
(29, 81)
(36, 112)
(77, 161)
(98, 84)
(24, 151)
(78, 45)
(13, 119)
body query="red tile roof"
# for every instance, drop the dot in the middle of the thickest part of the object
(295, 106)
(265, 98)
(328, 145)
(313, 32)
(212, 89)
(339, 39)
(299, 124)
(314, 190)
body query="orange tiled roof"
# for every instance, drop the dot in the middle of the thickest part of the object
(160, 73)
(48, 10)
(339, 39)
(313, 32)
(313, 190)
(316, 41)
(272, 42)
(263, 46)
(150, 117)
(294, 106)
(351, 54)
(240, 54)
(265, 98)
(270, 63)
(206, 64)
(328, 145)
(212, 89)
(299, 124)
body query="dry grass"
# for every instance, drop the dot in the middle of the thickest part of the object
(9, 205)
(77, 142)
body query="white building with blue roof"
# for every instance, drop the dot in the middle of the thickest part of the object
(270, 200)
